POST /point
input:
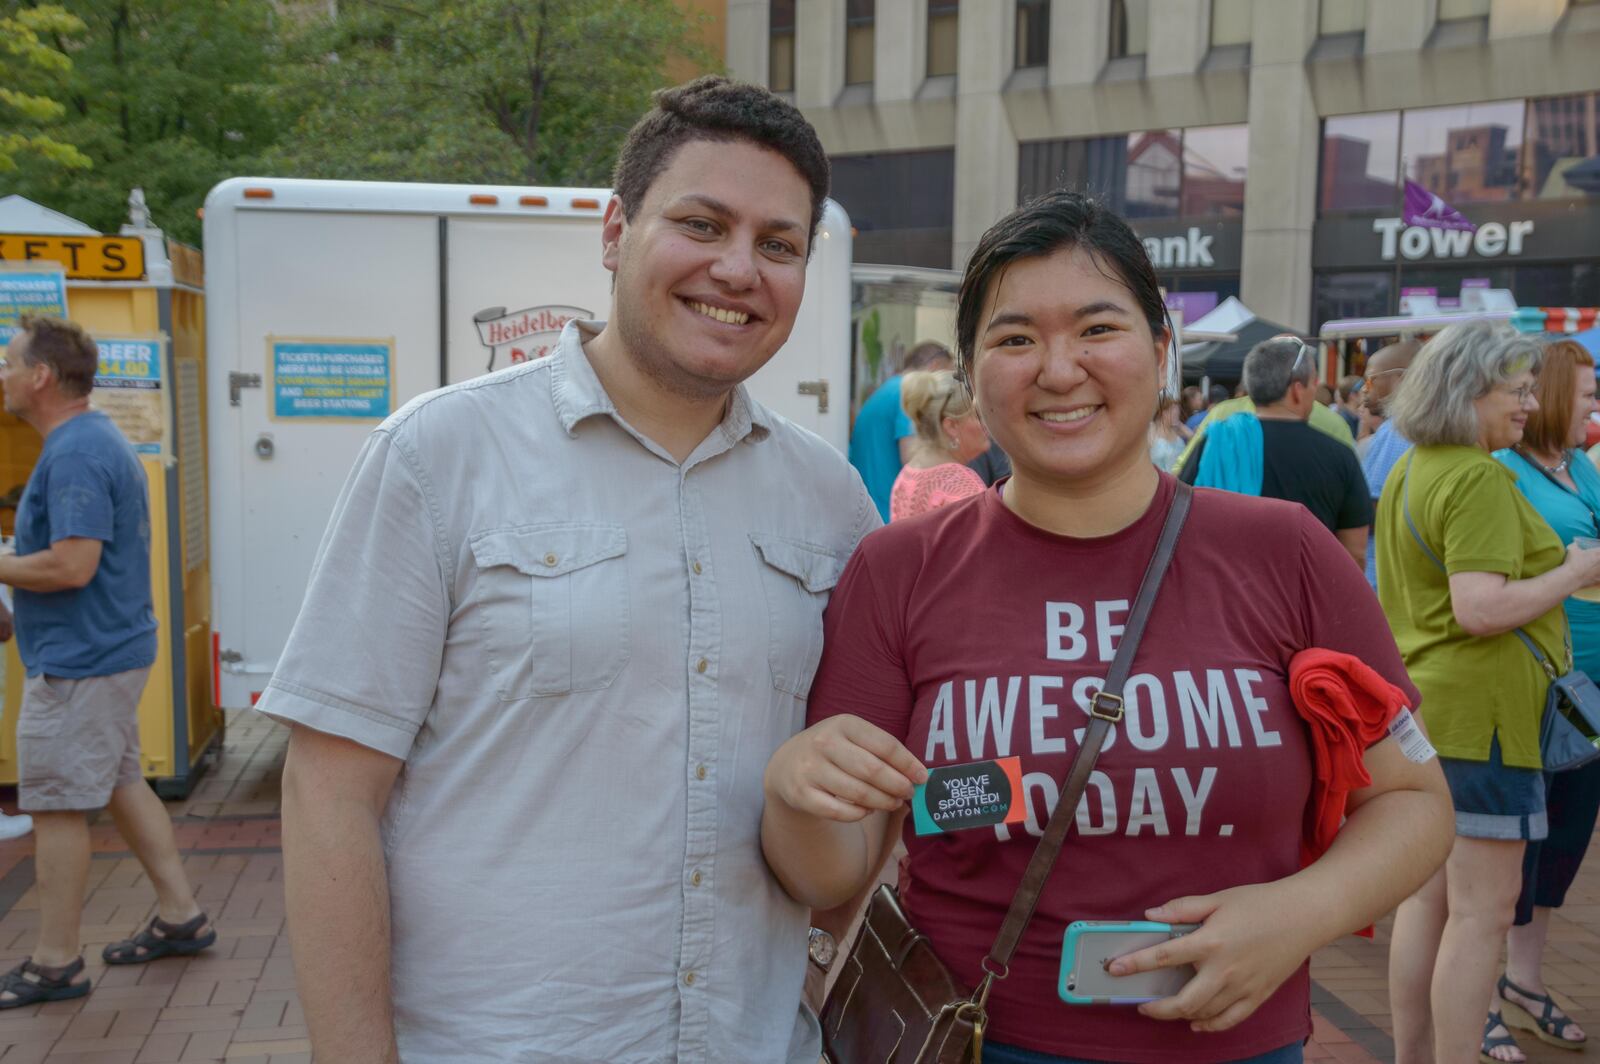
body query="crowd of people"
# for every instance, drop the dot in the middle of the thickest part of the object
(647, 718)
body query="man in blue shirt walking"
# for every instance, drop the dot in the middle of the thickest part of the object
(882, 431)
(86, 632)
(1384, 372)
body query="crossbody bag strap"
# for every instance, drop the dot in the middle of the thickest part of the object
(1105, 709)
(1527, 640)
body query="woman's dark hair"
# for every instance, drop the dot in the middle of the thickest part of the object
(715, 108)
(1042, 226)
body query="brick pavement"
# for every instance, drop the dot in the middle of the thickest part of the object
(236, 1003)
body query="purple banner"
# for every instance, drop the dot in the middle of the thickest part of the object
(1195, 305)
(1429, 211)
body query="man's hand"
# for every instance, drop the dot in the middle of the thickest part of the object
(843, 769)
(8, 626)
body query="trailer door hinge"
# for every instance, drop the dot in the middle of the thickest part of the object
(818, 389)
(239, 381)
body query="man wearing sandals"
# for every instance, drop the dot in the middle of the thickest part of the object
(87, 637)
(562, 616)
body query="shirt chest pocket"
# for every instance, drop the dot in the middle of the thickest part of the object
(796, 578)
(553, 602)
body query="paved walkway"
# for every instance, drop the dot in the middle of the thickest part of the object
(237, 1003)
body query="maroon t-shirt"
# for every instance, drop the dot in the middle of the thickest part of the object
(969, 634)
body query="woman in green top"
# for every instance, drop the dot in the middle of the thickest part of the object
(1463, 561)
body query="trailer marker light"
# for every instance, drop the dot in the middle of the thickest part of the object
(258, 193)
(483, 199)
(534, 201)
(586, 204)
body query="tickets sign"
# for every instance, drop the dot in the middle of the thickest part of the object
(29, 290)
(84, 258)
(331, 378)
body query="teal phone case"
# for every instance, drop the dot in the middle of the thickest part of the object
(1081, 929)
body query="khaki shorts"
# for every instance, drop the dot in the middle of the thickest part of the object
(77, 740)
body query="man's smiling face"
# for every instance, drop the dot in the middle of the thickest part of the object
(711, 270)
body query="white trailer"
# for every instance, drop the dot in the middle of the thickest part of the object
(332, 303)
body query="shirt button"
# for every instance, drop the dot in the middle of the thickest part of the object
(694, 880)
(701, 665)
(696, 568)
(549, 559)
(700, 772)
(688, 979)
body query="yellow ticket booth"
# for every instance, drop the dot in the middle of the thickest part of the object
(136, 292)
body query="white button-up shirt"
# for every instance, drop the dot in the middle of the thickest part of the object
(585, 653)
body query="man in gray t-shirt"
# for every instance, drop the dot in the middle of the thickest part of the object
(562, 617)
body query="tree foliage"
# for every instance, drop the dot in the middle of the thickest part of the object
(33, 70)
(495, 91)
(169, 95)
(176, 95)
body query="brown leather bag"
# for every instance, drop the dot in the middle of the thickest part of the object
(894, 1000)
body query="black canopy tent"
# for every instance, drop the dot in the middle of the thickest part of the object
(1223, 361)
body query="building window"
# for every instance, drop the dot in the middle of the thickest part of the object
(1468, 154)
(1230, 22)
(860, 15)
(780, 46)
(1450, 10)
(1033, 33)
(902, 205)
(1563, 147)
(1130, 28)
(1214, 162)
(1341, 16)
(944, 17)
(1156, 174)
(1360, 162)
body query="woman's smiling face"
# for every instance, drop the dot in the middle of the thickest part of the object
(1067, 369)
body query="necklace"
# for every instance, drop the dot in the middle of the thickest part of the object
(1555, 470)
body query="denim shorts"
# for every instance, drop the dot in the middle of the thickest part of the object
(993, 1053)
(1495, 801)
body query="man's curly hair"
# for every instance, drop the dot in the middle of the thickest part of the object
(715, 108)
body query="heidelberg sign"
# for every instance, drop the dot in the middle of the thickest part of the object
(1533, 231)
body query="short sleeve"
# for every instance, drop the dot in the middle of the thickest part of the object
(1355, 511)
(1482, 528)
(362, 661)
(902, 425)
(1340, 612)
(79, 500)
(862, 671)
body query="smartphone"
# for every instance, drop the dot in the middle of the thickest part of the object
(1091, 945)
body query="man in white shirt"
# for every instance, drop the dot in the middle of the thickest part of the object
(562, 617)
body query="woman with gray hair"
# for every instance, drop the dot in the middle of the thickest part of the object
(1464, 564)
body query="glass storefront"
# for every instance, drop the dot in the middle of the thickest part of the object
(902, 205)
(1181, 189)
(1527, 172)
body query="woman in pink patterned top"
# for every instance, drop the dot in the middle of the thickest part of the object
(949, 436)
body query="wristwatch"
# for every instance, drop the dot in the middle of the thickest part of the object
(822, 948)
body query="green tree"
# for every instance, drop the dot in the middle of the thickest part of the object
(33, 69)
(169, 95)
(493, 91)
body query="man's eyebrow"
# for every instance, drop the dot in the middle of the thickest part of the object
(715, 205)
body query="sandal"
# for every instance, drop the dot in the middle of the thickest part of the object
(1497, 1041)
(1546, 1026)
(30, 984)
(161, 939)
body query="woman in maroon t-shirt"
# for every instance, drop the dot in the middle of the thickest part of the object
(979, 631)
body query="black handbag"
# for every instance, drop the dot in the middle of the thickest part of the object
(1571, 721)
